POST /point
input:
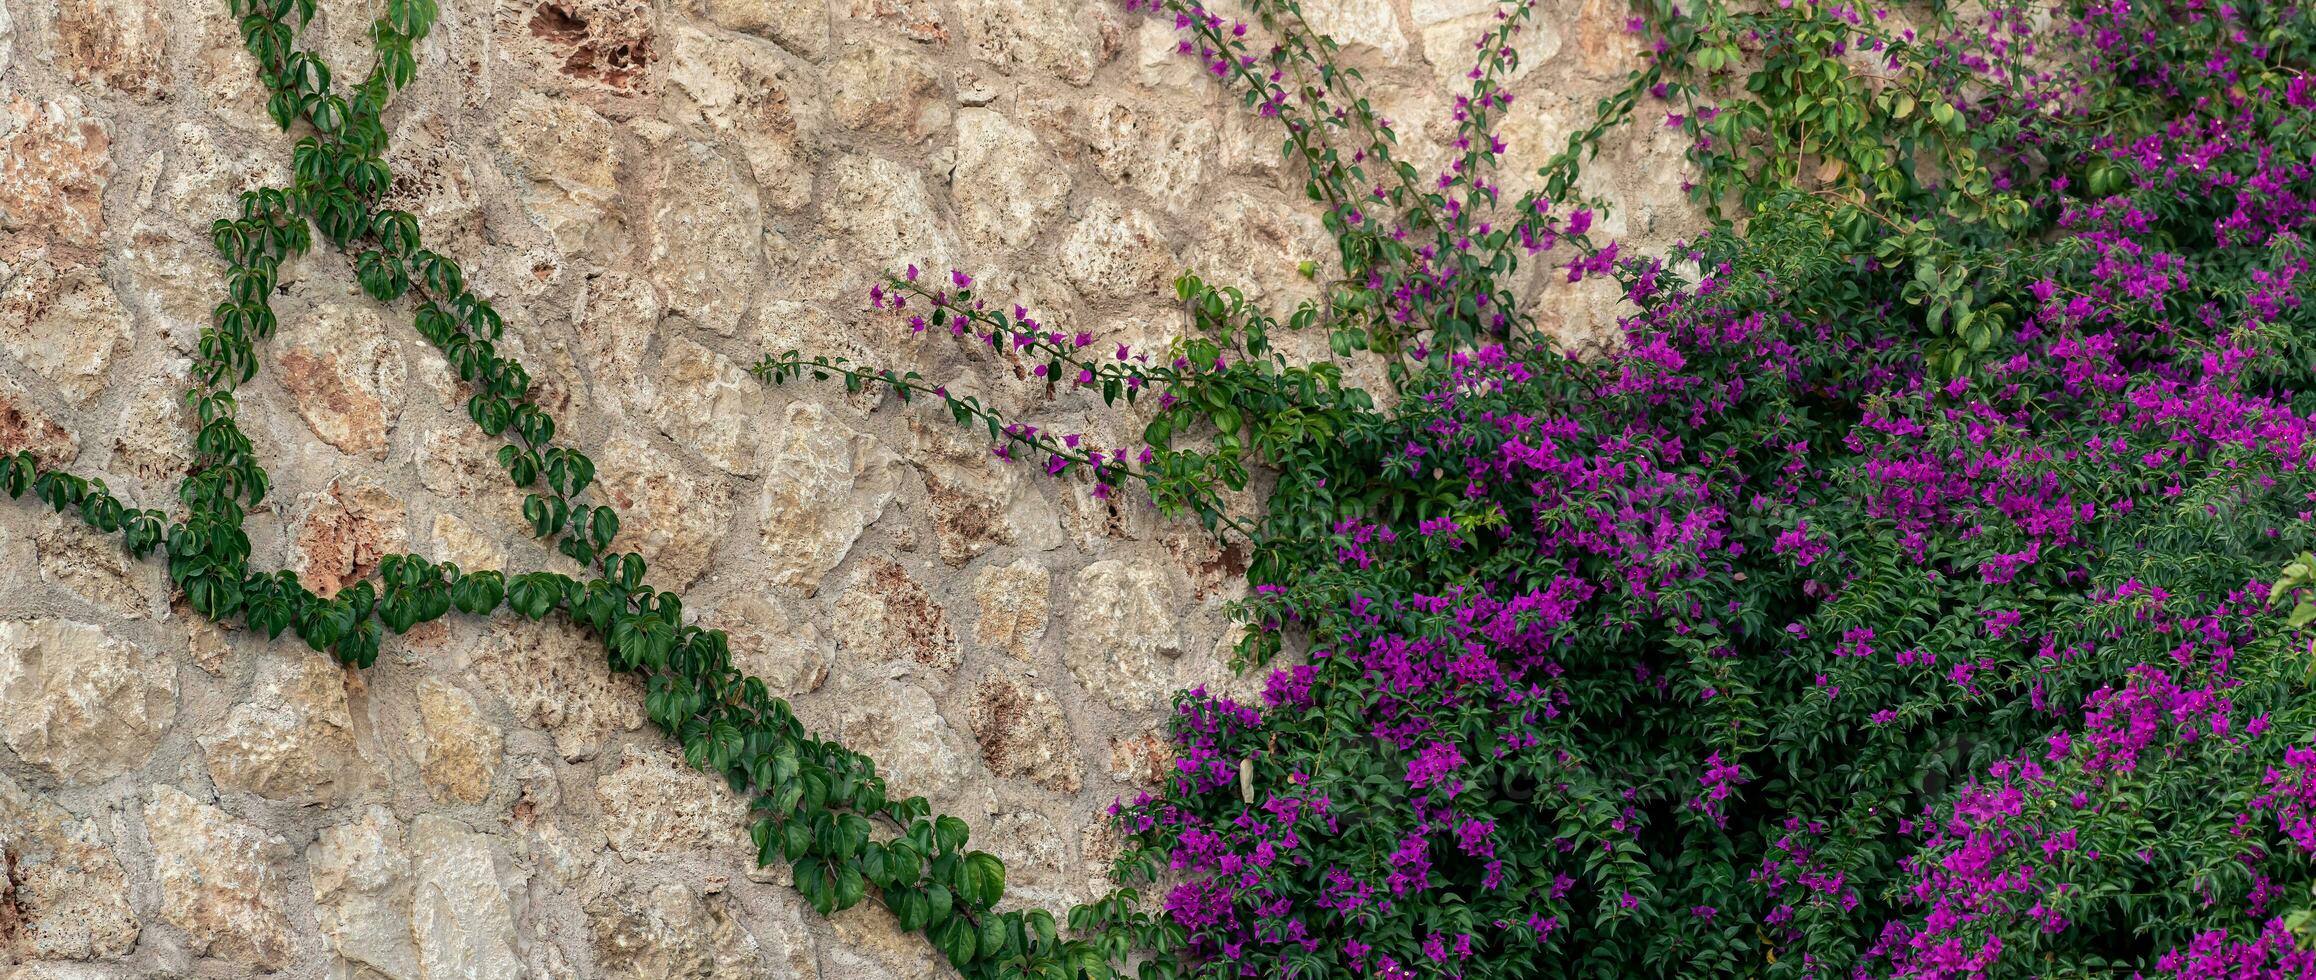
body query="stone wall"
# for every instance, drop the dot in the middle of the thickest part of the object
(655, 192)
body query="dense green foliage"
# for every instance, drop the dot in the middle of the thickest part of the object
(1896, 600)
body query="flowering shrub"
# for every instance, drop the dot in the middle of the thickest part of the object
(1896, 599)
(1893, 601)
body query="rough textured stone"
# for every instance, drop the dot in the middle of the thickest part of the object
(361, 879)
(223, 881)
(1117, 253)
(346, 531)
(62, 321)
(55, 160)
(769, 642)
(708, 403)
(1359, 24)
(1160, 149)
(617, 317)
(1122, 641)
(705, 246)
(555, 676)
(465, 545)
(896, 723)
(884, 616)
(94, 567)
(118, 44)
(153, 441)
(1040, 38)
(917, 20)
(675, 521)
(460, 916)
(343, 373)
(82, 705)
(756, 96)
(1023, 734)
(654, 804)
(823, 484)
(1250, 239)
(462, 749)
(587, 46)
(1007, 186)
(800, 26)
(26, 427)
(63, 894)
(293, 738)
(568, 156)
(884, 209)
(1015, 600)
(671, 932)
(884, 89)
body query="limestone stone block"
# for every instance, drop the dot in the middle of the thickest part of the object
(293, 738)
(82, 705)
(223, 881)
(1023, 734)
(65, 896)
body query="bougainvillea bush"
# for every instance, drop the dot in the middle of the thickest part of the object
(1910, 592)
(1906, 595)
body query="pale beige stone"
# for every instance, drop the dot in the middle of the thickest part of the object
(62, 321)
(96, 568)
(82, 705)
(655, 804)
(1040, 38)
(760, 98)
(1451, 29)
(1023, 734)
(568, 157)
(1008, 186)
(823, 485)
(361, 878)
(1116, 254)
(800, 26)
(706, 238)
(1262, 242)
(461, 918)
(466, 545)
(671, 931)
(770, 642)
(883, 208)
(293, 738)
(64, 895)
(153, 440)
(917, 20)
(27, 427)
(555, 676)
(1015, 602)
(896, 723)
(617, 317)
(1123, 640)
(55, 160)
(674, 520)
(343, 373)
(888, 90)
(1358, 24)
(223, 881)
(462, 748)
(709, 403)
(884, 616)
(1161, 149)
